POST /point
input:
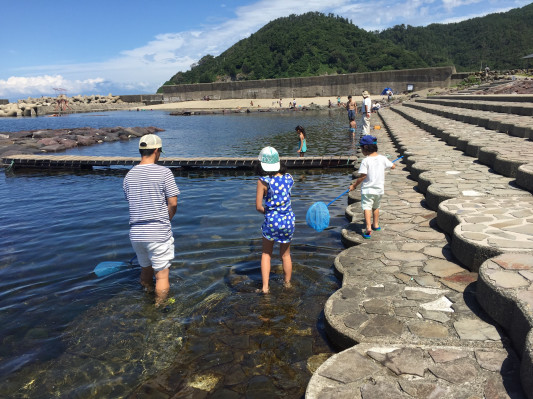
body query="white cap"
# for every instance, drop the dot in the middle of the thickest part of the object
(269, 158)
(149, 142)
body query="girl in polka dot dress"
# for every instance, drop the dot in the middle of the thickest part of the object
(274, 186)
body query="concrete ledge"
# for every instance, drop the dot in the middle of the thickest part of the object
(524, 176)
(505, 291)
(513, 125)
(478, 104)
(510, 98)
(503, 156)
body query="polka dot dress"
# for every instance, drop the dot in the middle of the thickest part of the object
(279, 218)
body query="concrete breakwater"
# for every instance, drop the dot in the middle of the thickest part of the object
(63, 104)
(55, 140)
(317, 86)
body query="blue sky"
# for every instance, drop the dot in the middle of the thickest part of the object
(132, 47)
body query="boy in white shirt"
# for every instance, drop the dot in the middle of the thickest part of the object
(372, 180)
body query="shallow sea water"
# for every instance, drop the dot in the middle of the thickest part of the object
(66, 333)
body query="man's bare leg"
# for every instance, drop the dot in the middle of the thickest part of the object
(147, 278)
(162, 286)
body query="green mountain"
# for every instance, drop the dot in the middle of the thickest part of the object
(307, 45)
(498, 40)
(316, 44)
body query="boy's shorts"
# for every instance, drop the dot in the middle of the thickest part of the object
(155, 254)
(370, 202)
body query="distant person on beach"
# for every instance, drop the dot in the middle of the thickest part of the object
(152, 194)
(302, 148)
(372, 180)
(351, 107)
(280, 103)
(338, 101)
(329, 103)
(274, 186)
(366, 109)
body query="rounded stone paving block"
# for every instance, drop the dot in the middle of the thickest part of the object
(486, 227)
(505, 291)
(408, 371)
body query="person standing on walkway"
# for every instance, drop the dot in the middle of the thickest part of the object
(366, 109)
(351, 107)
(372, 180)
(302, 149)
(274, 186)
(152, 194)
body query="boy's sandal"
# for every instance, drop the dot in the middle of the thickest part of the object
(366, 235)
(376, 228)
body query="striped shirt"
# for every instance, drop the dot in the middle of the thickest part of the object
(147, 187)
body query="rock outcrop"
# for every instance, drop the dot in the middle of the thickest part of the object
(39, 141)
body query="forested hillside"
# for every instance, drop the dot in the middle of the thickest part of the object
(307, 45)
(315, 44)
(498, 40)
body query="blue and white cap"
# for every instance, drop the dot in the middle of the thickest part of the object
(269, 159)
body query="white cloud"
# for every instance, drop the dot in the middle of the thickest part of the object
(44, 85)
(451, 4)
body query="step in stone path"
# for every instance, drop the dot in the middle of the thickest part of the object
(503, 106)
(410, 314)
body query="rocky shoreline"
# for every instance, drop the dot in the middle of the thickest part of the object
(64, 105)
(56, 140)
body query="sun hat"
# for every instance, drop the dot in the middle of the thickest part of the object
(368, 140)
(269, 159)
(149, 142)
(365, 94)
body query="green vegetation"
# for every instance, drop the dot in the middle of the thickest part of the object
(497, 40)
(315, 44)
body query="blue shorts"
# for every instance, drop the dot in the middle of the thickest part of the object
(351, 114)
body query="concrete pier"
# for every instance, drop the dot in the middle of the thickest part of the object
(439, 303)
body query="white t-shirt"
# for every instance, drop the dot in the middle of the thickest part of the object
(367, 105)
(374, 169)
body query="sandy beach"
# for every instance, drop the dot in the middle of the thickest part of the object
(255, 103)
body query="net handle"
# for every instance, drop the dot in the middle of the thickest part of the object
(338, 197)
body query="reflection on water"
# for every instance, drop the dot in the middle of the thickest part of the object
(67, 333)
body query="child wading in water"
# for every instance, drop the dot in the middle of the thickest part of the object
(372, 180)
(303, 140)
(275, 186)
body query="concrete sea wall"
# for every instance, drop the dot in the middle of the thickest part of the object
(322, 86)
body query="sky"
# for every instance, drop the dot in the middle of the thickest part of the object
(133, 46)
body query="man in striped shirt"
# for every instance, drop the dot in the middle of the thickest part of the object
(152, 194)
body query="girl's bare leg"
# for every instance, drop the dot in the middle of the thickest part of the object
(266, 257)
(285, 254)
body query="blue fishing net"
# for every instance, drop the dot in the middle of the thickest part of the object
(317, 216)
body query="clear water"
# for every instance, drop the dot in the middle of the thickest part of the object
(67, 333)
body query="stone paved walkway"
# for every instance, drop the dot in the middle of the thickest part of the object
(420, 325)
(500, 105)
